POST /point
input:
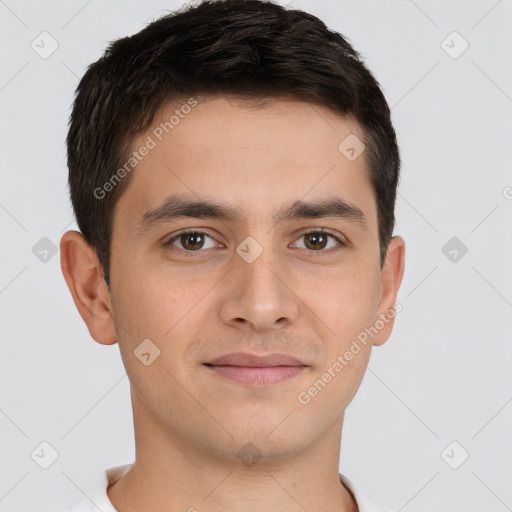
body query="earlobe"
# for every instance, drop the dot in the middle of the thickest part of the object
(391, 279)
(83, 274)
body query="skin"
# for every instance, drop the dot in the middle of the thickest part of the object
(294, 298)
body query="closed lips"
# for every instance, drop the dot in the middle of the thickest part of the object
(253, 361)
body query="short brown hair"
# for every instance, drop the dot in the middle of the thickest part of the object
(246, 48)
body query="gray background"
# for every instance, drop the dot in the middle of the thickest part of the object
(443, 376)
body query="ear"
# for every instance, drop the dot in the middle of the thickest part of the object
(390, 280)
(84, 277)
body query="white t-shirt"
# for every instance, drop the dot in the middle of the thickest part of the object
(100, 501)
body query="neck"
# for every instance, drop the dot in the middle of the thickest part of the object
(171, 475)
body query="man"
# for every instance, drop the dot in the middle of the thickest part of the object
(233, 171)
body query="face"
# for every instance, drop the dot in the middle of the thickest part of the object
(285, 260)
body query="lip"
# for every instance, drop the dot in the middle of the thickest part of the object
(246, 359)
(256, 370)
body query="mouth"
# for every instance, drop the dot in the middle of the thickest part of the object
(256, 370)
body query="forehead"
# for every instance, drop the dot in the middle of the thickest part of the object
(250, 153)
(224, 122)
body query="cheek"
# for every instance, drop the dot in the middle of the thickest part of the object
(348, 303)
(164, 310)
(348, 307)
(334, 385)
(147, 302)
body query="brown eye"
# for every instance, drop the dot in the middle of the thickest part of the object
(320, 242)
(191, 241)
(315, 240)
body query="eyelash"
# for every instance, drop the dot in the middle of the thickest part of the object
(322, 231)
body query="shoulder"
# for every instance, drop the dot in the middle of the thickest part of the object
(83, 506)
(99, 498)
(363, 503)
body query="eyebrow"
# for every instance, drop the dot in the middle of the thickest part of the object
(180, 206)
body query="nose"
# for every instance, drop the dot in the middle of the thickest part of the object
(259, 295)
